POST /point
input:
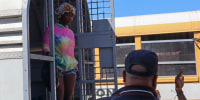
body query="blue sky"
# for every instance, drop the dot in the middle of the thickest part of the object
(145, 7)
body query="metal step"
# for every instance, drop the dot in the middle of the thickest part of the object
(41, 57)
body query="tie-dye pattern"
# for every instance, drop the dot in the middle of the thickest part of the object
(64, 47)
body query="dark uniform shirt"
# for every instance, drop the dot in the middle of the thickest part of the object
(133, 93)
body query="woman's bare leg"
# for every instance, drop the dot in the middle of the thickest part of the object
(69, 85)
(60, 89)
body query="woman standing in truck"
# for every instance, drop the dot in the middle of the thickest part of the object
(65, 61)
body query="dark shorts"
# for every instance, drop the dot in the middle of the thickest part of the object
(73, 71)
(64, 73)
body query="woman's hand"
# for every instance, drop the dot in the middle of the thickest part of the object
(179, 80)
(47, 54)
(78, 73)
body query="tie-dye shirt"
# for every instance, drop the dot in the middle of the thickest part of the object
(64, 47)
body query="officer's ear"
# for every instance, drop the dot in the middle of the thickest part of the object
(124, 76)
(154, 83)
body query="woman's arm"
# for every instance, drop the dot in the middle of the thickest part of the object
(179, 83)
(46, 42)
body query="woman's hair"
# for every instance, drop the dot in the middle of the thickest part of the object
(65, 8)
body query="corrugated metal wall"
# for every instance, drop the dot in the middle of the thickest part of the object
(11, 50)
(11, 35)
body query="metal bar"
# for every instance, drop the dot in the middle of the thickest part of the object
(51, 27)
(41, 57)
(78, 10)
(168, 41)
(100, 13)
(101, 7)
(104, 1)
(115, 68)
(97, 81)
(83, 68)
(113, 14)
(52, 50)
(107, 82)
(78, 15)
(80, 65)
(87, 17)
(114, 48)
(93, 71)
(126, 44)
(85, 13)
(197, 52)
(167, 62)
(87, 57)
(120, 65)
(91, 11)
(89, 62)
(45, 15)
(177, 62)
(97, 11)
(81, 16)
(26, 58)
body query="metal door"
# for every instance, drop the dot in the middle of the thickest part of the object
(96, 48)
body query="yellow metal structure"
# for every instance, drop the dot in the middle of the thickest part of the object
(197, 50)
(138, 42)
(161, 24)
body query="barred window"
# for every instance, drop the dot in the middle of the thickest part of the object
(175, 51)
